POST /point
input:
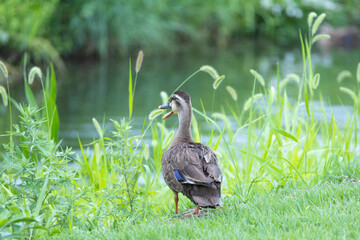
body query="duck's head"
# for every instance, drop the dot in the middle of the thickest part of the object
(180, 102)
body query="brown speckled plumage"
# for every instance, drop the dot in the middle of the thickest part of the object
(199, 176)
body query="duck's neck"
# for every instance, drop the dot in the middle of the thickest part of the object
(183, 134)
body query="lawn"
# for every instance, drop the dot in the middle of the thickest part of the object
(325, 211)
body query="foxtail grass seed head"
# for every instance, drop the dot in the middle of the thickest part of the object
(34, 71)
(146, 152)
(358, 73)
(317, 23)
(310, 18)
(320, 36)
(139, 61)
(4, 96)
(4, 69)
(350, 93)
(168, 139)
(290, 77)
(164, 97)
(273, 93)
(254, 98)
(316, 81)
(283, 83)
(220, 116)
(342, 75)
(163, 128)
(232, 92)
(218, 81)
(294, 77)
(98, 128)
(258, 77)
(155, 113)
(211, 71)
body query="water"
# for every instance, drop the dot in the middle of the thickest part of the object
(93, 90)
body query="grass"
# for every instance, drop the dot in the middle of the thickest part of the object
(271, 181)
(326, 211)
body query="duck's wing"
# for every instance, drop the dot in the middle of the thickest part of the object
(194, 164)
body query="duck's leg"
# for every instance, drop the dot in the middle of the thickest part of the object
(196, 211)
(176, 198)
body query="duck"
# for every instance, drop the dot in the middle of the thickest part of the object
(189, 167)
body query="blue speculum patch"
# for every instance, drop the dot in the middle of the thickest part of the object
(177, 175)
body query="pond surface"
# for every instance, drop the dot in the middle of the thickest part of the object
(100, 90)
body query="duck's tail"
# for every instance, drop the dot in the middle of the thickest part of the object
(204, 196)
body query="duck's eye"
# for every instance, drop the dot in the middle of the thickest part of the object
(174, 104)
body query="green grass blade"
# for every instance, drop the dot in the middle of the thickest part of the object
(131, 98)
(86, 161)
(41, 196)
(195, 129)
(285, 134)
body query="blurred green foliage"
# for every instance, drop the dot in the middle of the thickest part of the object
(53, 28)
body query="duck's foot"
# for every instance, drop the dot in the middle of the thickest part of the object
(195, 212)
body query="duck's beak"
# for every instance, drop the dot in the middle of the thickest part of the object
(166, 106)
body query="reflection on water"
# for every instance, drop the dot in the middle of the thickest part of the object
(101, 90)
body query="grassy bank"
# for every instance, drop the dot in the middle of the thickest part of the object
(326, 211)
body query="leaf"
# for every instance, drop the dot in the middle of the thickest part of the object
(195, 128)
(52, 92)
(51, 108)
(16, 220)
(29, 95)
(358, 72)
(86, 161)
(41, 197)
(306, 98)
(308, 52)
(7, 190)
(285, 134)
(130, 91)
